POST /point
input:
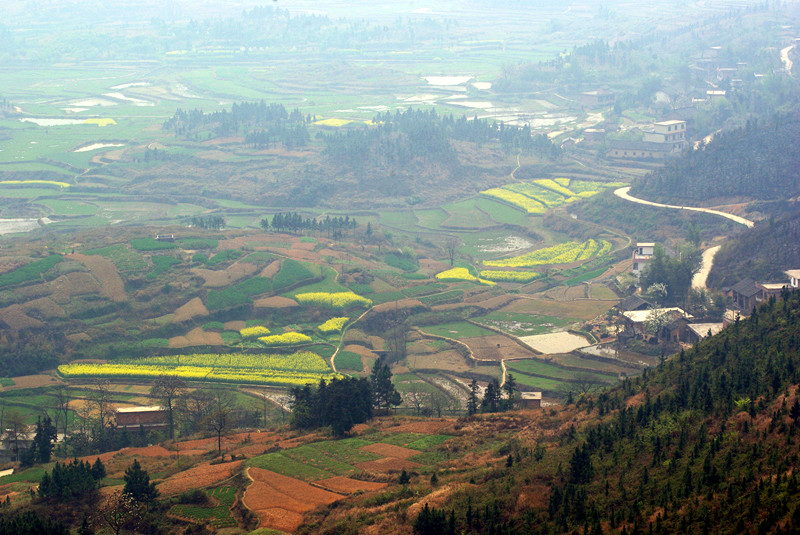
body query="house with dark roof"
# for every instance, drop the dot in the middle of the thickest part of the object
(745, 294)
(634, 302)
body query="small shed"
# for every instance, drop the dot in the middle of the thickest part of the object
(530, 400)
(153, 418)
(697, 331)
(633, 302)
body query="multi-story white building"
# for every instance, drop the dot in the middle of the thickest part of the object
(642, 255)
(670, 133)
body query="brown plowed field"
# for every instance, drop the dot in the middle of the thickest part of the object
(33, 381)
(199, 476)
(360, 350)
(217, 278)
(428, 427)
(271, 270)
(449, 360)
(235, 325)
(402, 303)
(387, 464)
(46, 306)
(271, 496)
(106, 274)
(485, 348)
(78, 283)
(345, 485)
(192, 309)
(197, 337)
(279, 519)
(14, 316)
(275, 302)
(389, 450)
(78, 337)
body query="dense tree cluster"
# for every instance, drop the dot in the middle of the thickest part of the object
(762, 253)
(757, 161)
(340, 404)
(261, 124)
(215, 222)
(71, 480)
(30, 523)
(293, 222)
(413, 134)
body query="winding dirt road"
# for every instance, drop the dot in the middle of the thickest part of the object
(787, 63)
(700, 278)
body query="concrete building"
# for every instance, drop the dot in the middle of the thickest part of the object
(530, 400)
(670, 133)
(641, 256)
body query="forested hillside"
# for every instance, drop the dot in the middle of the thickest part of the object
(762, 253)
(705, 443)
(758, 161)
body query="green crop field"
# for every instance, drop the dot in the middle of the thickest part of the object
(457, 330)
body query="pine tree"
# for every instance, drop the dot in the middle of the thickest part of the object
(472, 400)
(138, 485)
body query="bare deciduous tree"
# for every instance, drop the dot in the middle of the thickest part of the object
(62, 407)
(15, 428)
(100, 399)
(167, 388)
(220, 418)
(451, 244)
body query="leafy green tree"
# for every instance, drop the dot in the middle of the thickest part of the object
(138, 485)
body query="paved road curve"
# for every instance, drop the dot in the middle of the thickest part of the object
(622, 193)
